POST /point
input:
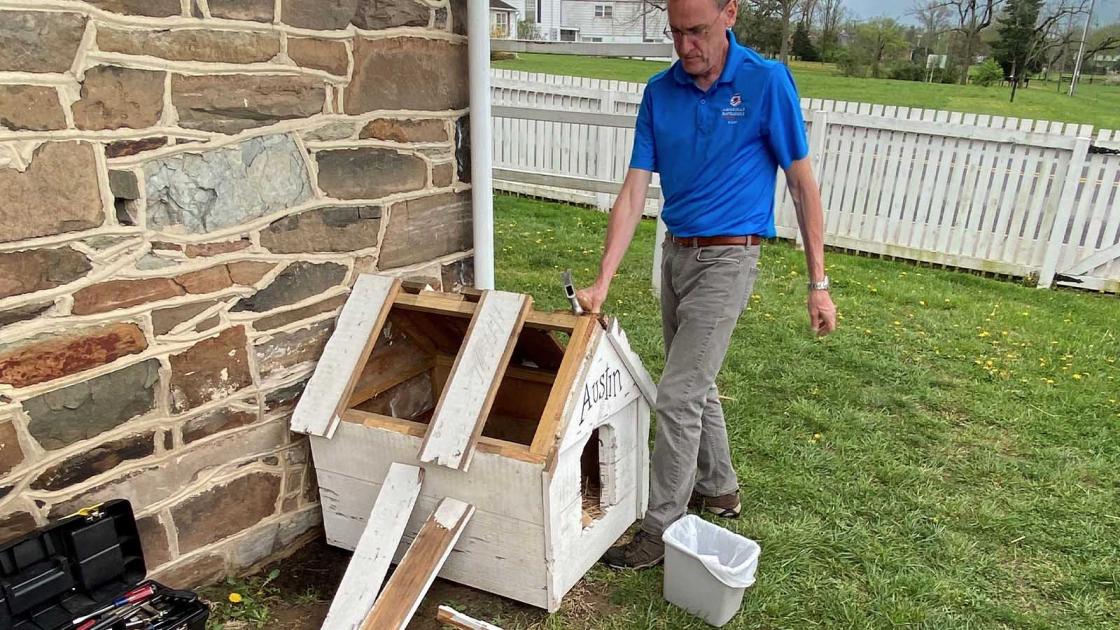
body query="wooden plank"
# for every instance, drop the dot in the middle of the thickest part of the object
(514, 371)
(575, 357)
(590, 49)
(609, 186)
(466, 399)
(595, 119)
(1006, 208)
(1028, 203)
(944, 229)
(1065, 206)
(417, 570)
(348, 349)
(934, 177)
(963, 130)
(445, 304)
(388, 367)
(449, 616)
(485, 444)
(384, 528)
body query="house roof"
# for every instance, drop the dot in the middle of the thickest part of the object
(498, 5)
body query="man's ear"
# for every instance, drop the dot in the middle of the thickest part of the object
(733, 12)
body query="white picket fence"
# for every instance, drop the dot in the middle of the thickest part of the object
(1001, 195)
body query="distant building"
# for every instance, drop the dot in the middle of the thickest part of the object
(503, 20)
(609, 21)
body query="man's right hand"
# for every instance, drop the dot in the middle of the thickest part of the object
(592, 298)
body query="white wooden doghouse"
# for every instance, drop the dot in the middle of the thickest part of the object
(537, 420)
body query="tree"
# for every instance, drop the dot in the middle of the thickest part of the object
(832, 15)
(1025, 30)
(759, 27)
(973, 16)
(878, 41)
(1017, 37)
(933, 18)
(1103, 40)
(802, 44)
(782, 11)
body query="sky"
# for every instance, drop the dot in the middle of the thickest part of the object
(1107, 11)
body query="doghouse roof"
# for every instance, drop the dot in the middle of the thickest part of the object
(493, 336)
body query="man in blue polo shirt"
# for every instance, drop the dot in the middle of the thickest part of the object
(717, 125)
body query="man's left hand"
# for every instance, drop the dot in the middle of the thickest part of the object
(822, 313)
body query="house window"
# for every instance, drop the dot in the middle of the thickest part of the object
(604, 10)
(499, 25)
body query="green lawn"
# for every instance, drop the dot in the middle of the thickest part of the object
(1096, 104)
(950, 458)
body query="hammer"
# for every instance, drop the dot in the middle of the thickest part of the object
(570, 291)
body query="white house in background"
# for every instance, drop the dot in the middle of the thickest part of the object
(503, 20)
(610, 21)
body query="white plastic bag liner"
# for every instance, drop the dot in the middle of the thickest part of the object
(707, 569)
(729, 557)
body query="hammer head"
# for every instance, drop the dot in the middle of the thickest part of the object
(570, 291)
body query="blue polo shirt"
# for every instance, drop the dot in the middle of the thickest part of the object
(718, 151)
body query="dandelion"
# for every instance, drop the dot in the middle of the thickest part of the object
(922, 302)
(984, 333)
(235, 598)
(1076, 376)
(897, 323)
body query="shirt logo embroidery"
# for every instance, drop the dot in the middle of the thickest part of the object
(736, 110)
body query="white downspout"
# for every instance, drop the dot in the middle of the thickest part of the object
(482, 188)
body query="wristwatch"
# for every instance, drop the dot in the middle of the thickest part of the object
(823, 285)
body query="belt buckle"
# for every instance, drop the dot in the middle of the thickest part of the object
(696, 241)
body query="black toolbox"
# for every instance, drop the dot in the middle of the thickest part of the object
(92, 561)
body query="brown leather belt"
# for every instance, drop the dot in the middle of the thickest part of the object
(715, 241)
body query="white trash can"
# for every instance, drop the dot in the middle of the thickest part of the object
(707, 568)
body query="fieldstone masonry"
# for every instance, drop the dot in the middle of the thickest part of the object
(187, 192)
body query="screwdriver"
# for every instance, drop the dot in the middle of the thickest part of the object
(131, 597)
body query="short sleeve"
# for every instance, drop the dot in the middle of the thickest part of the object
(784, 125)
(644, 154)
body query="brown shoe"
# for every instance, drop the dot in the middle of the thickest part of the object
(643, 552)
(725, 506)
(696, 502)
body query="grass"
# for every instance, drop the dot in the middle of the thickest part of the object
(950, 458)
(242, 603)
(1096, 104)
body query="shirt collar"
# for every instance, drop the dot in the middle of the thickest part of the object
(735, 56)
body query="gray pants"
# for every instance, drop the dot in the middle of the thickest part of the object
(703, 292)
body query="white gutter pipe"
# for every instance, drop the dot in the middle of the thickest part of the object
(482, 178)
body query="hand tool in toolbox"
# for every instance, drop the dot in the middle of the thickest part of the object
(87, 572)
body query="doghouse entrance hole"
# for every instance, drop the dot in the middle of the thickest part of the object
(597, 475)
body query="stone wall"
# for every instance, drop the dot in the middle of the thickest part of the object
(187, 190)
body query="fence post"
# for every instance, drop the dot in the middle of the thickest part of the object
(1065, 209)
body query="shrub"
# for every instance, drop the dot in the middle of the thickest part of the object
(988, 73)
(849, 65)
(908, 72)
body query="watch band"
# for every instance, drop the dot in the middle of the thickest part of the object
(823, 285)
